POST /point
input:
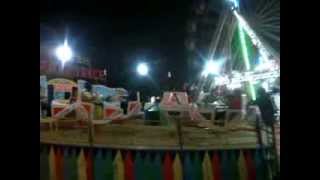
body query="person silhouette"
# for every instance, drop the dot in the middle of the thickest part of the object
(267, 109)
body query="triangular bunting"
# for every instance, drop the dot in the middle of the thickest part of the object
(233, 165)
(261, 167)
(82, 166)
(197, 165)
(188, 169)
(52, 164)
(44, 165)
(70, 166)
(59, 164)
(149, 174)
(99, 165)
(216, 167)
(250, 166)
(206, 167)
(168, 169)
(118, 167)
(177, 168)
(225, 169)
(108, 167)
(243, 172)
(158, 167)
(138, 167)
(129, 171)
(89, 162)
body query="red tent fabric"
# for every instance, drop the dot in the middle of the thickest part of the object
(168, 169)
(250, 166)
(128, 167)
(89, 161)
(216, 167)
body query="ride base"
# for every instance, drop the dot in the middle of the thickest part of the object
(135, 135)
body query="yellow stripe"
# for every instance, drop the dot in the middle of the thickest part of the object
(82, 166)
(243, 173)
(207, 167)
(118, 167)
(177, 168)
(52, 165)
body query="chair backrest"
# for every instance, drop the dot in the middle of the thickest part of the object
(134, 107)
(89, 107)
(111, 111)
(174, 99)
(82, 112)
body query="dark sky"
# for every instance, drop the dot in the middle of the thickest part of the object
(117, 34)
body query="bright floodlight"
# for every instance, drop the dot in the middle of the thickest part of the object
(234, 3)
(143, 69)
(64, 53)
(211, 67)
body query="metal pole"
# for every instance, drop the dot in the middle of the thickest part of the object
(243, 106)
(274, 147)
(90, 131)
(179, 128)
(90, 138)
(138, 97)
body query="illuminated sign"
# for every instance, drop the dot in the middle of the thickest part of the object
(75, 72)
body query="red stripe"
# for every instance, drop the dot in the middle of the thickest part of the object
(59, 164)
(88, 157)
(56, 110)
(129, 172)
(168, 169)
(216, 167)
(250, 166)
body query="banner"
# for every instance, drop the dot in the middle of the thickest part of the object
(68, 71)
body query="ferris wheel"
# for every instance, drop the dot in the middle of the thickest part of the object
(248, 39)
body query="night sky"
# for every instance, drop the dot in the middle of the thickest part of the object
(117, 35)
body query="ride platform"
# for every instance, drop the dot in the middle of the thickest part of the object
(134, 134)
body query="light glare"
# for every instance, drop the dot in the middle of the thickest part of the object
(211, 67)
(64, 53)
(252, 90)
(244, 48)
(235, 3)
(142, 69)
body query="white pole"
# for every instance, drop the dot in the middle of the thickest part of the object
(79, 91)
(138, 97)
(243, 106)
